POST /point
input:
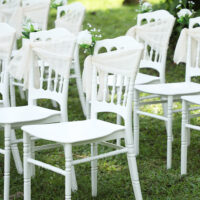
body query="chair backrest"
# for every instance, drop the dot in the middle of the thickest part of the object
(39, 13)
(152, 57)
(72, 16)
(193, 67)
(116, 97)
(9, 2)
(52, 83)
(7, 38)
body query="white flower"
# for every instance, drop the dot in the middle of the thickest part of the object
(84, 37)
(191, 2)
(146, 6)
(183, 12)
(89, 25)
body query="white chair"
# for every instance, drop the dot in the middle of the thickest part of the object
(168, 93)
(186, 127)
(153, 58)
(40, 17)
(94, 130)
(71, 17)
(187, 101)
(55, 88)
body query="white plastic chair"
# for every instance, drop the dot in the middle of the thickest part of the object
(169, 93)
(35, 17)
(8, 34)
(91, 131)
(153, 58)
(56, 88)
(186, 102)
(71, 17)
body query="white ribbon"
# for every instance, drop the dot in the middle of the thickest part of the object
(180, 54)
(57, 52)
(7, 37)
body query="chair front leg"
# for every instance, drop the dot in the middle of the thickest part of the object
(184, 138)
(7, 135)
(15, 152)
(68, 170)
(169, 131)
(27, 166)
(94, 169)
(136, 122)
(133, 164)
(32, 156)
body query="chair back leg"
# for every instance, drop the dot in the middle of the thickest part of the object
(94, 169)
(7, 132)
(15, 153)
(68, 170)
(27, 167)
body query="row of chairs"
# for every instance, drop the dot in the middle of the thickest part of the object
(30, 156)
(55, 86)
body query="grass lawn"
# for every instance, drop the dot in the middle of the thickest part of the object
(113, 175)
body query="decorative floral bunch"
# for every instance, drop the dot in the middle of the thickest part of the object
(87, 39)
(144, 7)
(56, 3)
(185, 13)
(29, 27)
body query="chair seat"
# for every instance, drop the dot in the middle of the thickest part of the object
(173, 89)
(10, 115)
(73, 132)
(192, 99)
(140, 79)
(145, 79)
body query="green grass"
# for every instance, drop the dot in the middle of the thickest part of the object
(114, 183)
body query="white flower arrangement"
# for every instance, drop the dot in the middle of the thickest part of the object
(184, 13)
(87, 39)
(56, 3)
(144, 7)
(29, 27)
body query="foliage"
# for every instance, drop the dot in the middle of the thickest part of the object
(56, 3)
(29, 28)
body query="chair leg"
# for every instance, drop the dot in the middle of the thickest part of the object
(79, 82)
(94, 169)
(32, 156)
(136, 122)
(7, 132)
(16, 155)
(74, 182)
(169, 131)
(68, 168)
(184, 137)
(188, 130)
(27, 167)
